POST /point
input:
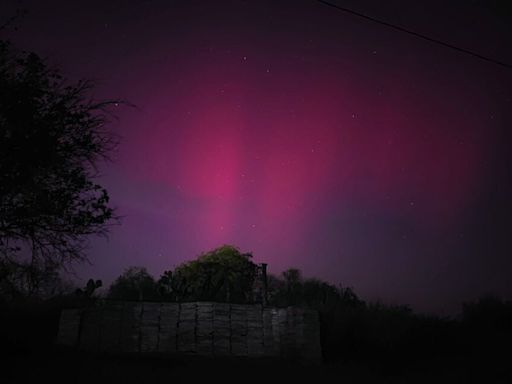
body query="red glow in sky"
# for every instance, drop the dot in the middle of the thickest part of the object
(314, 140)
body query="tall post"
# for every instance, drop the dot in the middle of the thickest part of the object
(264, 283)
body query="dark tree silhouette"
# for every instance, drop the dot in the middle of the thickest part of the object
(18, 280)
(489, 312)
(134, 284)
(89, 289)
(165, 287)
(290, 288)
(52, 137)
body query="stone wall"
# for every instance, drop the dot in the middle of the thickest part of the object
(201, 328)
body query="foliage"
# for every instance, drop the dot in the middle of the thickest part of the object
(390, 335)
(353, 330)
(489, 312)
(292, 289)
(350, 329)
(52, 136)
(487, 323)
(89, 289)
(23, 280)
(165, 287)
(223, 274)
(134, 284)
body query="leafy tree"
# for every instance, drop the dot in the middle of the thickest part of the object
(134, 284)
(52, 137)
(165, 286)
(223, 274)
(293, 286)
(89, 289)
(317, 293)
(488, 312)
(18, 281)
(290, 288)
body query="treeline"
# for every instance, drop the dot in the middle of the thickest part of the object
(351, 329)
(227, 275)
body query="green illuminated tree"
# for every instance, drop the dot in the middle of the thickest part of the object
(223, 274)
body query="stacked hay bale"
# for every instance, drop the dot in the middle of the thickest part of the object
(239, 330)
(149, 327)
(90, 330)
(111, 322)
(271, 337)
(187, 328)
(130, 327)
(221, 329)
(69, 327)
(255, 330)
(167, 338)
(204, 328)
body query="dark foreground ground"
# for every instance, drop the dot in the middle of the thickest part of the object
(431, 352)
(55, 365)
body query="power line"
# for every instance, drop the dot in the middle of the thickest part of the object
(416, 34)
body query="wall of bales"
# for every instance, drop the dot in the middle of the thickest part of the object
(200, 328)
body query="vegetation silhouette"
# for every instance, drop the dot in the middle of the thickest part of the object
(53, 135)
(370, 340)
(134, 284)
(90, 288)
(387, 338)
(222, 274)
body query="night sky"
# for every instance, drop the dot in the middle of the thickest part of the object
(310, 137)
